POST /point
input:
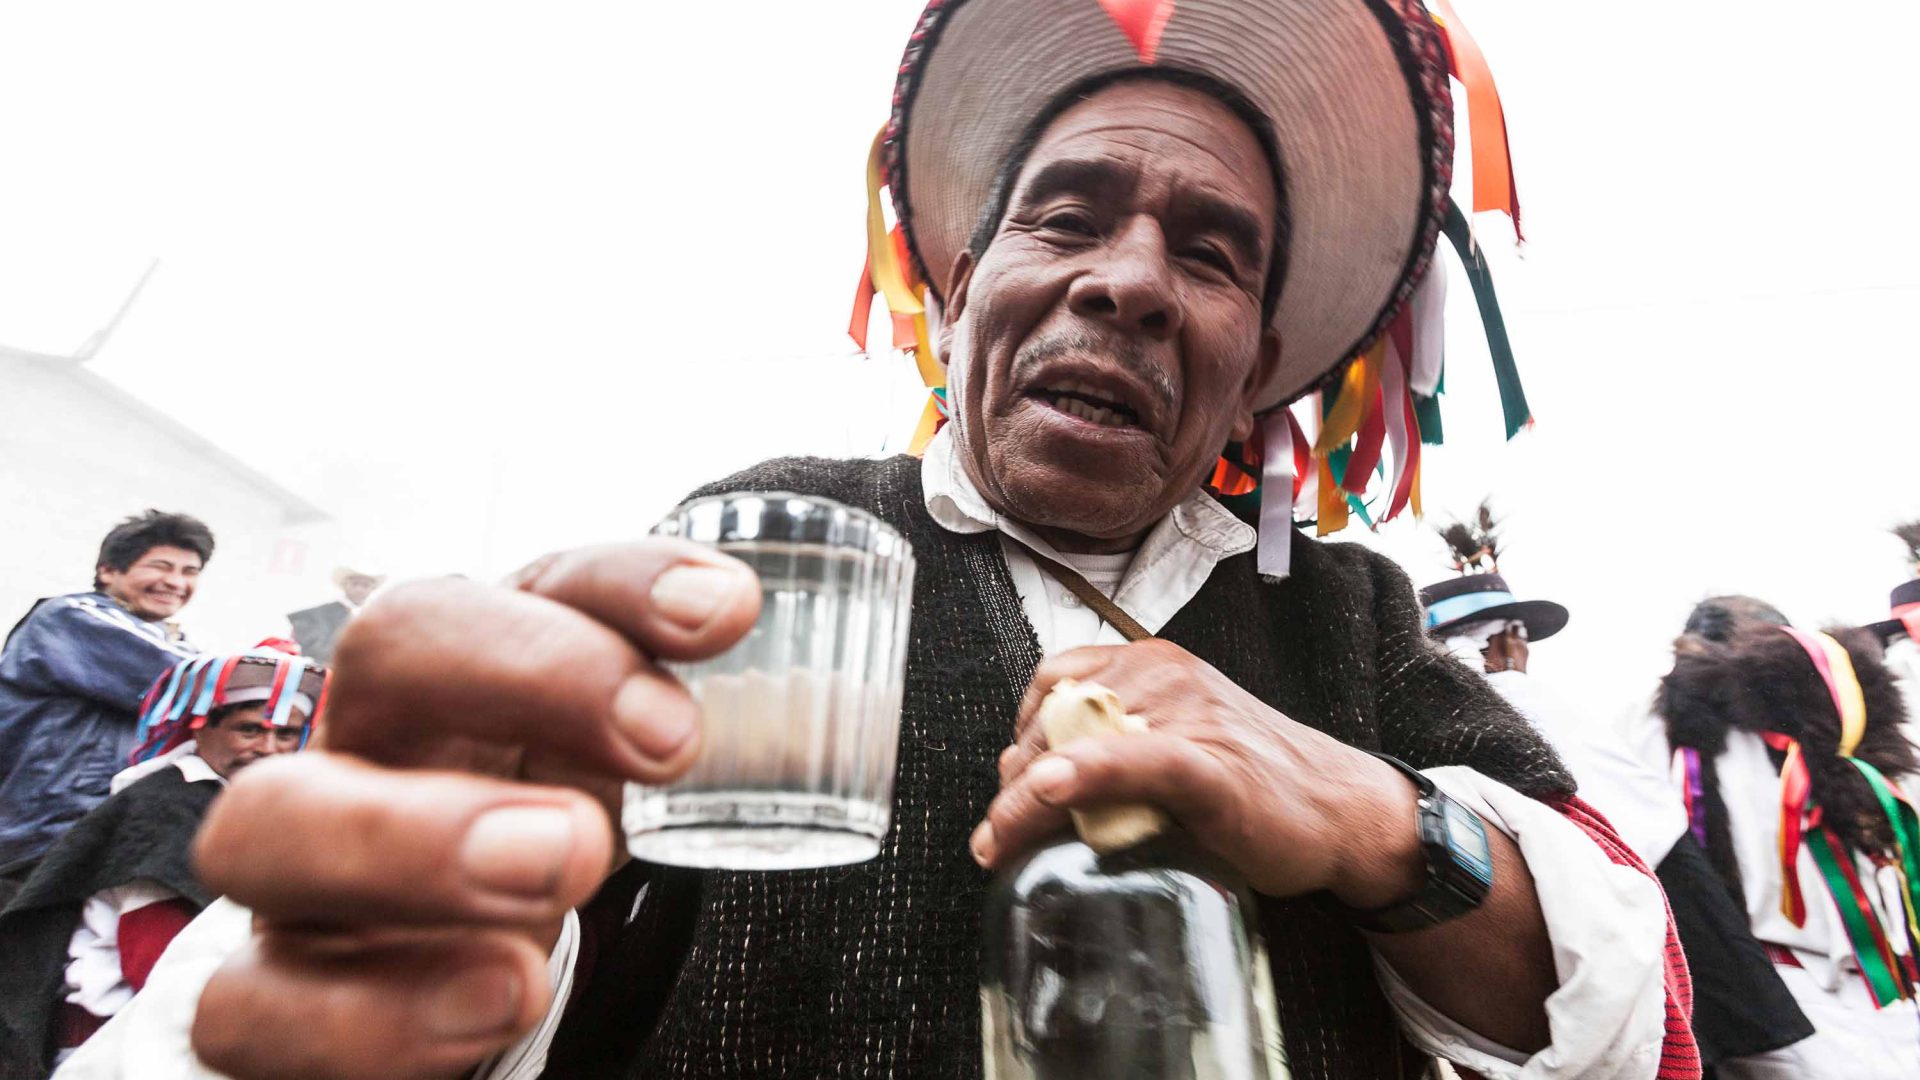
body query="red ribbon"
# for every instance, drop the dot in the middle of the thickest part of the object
(1366, 449)
(1795, 786)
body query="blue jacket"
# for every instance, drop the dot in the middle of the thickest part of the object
(71, 678)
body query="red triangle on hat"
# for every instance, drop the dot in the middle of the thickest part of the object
(1143, 21)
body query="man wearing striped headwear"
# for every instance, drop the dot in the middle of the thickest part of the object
(90, 923)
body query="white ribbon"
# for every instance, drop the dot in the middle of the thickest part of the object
(1275, 558)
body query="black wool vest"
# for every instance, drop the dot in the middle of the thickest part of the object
(872, 970)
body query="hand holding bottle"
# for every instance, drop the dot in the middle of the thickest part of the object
(1291, 808)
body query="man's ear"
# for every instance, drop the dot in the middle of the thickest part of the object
(958, 279)
(1265, 365)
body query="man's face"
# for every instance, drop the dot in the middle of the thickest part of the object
(357, 588)
(1506, 651)
(157, 585)
(1109, 341)
(242, 737)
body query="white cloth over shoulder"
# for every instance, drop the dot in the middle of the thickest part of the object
(1608, 925)
(151, 1038)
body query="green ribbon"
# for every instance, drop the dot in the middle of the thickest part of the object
(1427, 411)
(1860, 929)
(1906, 831)
(1513, 399)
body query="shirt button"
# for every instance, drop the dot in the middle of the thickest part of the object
(1068, 600)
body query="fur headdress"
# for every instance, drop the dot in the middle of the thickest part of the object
(1764, 682)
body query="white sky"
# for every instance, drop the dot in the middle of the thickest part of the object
(486, 279)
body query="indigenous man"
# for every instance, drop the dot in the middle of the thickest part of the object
(1786, 745)
(1145, 224)
(317, 628)
(1741, 1007)
(72, 674)
(89, 924)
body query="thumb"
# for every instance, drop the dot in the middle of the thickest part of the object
(675, 599)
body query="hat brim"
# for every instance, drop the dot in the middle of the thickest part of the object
(1543, 618)
(1886, 631)
(1356, 92)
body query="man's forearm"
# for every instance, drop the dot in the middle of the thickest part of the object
(1490, 970)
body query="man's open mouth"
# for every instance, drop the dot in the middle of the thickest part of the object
(1080, 400)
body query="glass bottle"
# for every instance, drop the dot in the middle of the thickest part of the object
(1146, 963)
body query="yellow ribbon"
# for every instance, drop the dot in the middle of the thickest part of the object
(1846, 684)
(888, 275)
(929, 423)
(1356, 394)
(1332, 513)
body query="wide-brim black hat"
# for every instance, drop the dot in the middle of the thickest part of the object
(1356, 93)
(1474, 598)
(1905, 605)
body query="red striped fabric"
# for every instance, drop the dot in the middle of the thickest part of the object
(1679, 1056)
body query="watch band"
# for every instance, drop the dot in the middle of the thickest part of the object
(1459, 863)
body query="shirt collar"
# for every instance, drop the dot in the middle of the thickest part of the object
(195, 769)
(957, 506)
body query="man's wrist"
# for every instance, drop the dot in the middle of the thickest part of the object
(1381, 860)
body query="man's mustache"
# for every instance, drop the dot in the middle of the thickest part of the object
(1129, 354)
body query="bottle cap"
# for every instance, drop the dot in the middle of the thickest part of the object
(1075, 710)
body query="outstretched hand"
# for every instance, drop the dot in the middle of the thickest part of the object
(408, 876)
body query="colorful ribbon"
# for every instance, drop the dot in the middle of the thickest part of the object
(1493, 185)
(1693, 792)
(1878, 967)
(1889, 973)
(1830, 659)
(1506, 373)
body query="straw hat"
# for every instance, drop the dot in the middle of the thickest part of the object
(1356, 93)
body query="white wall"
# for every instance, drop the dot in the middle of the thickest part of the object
(74, 462)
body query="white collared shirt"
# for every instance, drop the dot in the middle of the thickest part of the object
(1607, 922)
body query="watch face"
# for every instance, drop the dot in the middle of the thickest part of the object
(1467, 836)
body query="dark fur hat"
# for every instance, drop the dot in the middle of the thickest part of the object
(1766, 682)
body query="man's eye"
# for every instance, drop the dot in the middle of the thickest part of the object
(1211, 256)
(1069, 222)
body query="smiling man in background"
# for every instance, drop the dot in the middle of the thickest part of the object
(72, 675)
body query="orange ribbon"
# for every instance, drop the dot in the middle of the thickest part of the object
(1493, 186)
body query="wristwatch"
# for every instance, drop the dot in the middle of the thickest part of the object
(1459, 863)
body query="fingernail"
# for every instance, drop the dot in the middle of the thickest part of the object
(479, 1002)
(688, 595)
(654, 717)
(982, 843)
(518, 850)
(1051, 778)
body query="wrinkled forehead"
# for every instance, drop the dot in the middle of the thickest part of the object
(1172, 132)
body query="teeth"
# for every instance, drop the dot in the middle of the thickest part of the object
(1091, 413)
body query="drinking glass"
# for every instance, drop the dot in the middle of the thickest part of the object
(801, 719)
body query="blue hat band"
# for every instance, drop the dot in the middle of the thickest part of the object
(1459, 607)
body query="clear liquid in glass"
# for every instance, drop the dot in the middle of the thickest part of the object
(800, 721)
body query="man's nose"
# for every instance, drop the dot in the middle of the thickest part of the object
(1132, 289)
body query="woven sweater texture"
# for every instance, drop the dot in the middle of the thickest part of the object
(872, 970)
